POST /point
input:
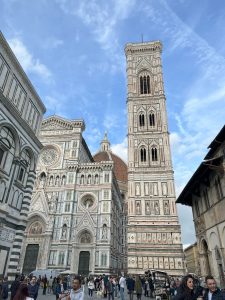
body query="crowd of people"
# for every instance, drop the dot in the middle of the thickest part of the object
(111, 287)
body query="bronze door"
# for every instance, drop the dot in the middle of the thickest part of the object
(84, 260)
(30, 260)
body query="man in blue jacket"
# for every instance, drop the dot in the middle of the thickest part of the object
(33, 288)
(130, 286)
(212, 292)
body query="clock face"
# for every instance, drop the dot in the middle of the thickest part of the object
(49, 156)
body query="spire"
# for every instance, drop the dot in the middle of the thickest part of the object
(105, 144)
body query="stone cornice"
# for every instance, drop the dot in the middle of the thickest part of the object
(143, 47)
(15, 61)
(67, 124)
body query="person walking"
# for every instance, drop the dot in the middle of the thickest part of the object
(212, 292)
(186, 289)
(5, 289)
(91, 287)
(110, 289)
(50, 281)
(22, 293)
(130, 287)
(138, 287)
(33, 288)
(122, 284)
(76, 293)
(45, 282)
(14, 286)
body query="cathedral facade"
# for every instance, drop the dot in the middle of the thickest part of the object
(154, 235)
(77, 213)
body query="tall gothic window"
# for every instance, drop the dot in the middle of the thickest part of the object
(154, 154)
(141, 120)
(143, 154)
(145, 84)
(219, 190)
(152, 119)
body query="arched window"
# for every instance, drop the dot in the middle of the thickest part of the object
(51, 180)
(145, 84)
(7, 147)
(152, 119)
(24, 168)
(64, 180)
(154, 154)
(89, 179)
(143, 154)
(82, 179)
(96, 179)
(57, 181)
(141, 120)
(219, 190)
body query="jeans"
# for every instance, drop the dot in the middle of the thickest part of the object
(90, 292)
(122, 293)
(111, 296)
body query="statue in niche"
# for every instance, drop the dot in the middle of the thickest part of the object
(42, 180)
(156, 207)
(138, 189)
(64, 232)
(166, 208)
(104, 232)
(52, 206)
(138, 207)
(147, 208)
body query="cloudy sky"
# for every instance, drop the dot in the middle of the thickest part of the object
(73, 52)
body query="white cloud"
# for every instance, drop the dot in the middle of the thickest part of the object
(102, 19)
(52, 42)
(120, 149)
(26, 59)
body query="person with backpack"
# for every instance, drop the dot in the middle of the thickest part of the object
(5, 289)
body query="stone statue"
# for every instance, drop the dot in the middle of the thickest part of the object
(104, 232)
(64, 232)
(138, 208)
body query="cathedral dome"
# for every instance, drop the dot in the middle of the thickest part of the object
(105, 154)
(120, 168)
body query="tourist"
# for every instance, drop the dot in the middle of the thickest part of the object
(122, 283)
(14, 286)
(60, 289)
(110, 289)
(22, 293)
(33, 288)
(5, 289)
(50, 281)
(91, 287)
(45, 282)
(138, 287)
(76, 292)
(212, 292)
(186, 289)
(130, 287)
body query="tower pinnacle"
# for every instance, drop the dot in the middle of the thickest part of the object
(105, 144)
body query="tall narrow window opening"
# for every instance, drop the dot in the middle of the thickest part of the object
(143, 154)
(145, 84)
(152, 119)
(154, 154)
(141, 120)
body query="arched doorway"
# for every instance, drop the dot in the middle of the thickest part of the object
(206, 266)
(220, 267)
(84, 261)
(30, 260)
(85, 240)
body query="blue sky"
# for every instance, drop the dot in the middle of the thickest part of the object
(73, 52)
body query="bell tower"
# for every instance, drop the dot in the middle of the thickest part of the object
(154, 236)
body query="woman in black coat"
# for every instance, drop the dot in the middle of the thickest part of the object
(186, 289)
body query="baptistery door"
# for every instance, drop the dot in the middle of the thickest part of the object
(30, 260)
(84, 261)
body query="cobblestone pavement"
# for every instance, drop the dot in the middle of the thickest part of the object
(86, 297)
